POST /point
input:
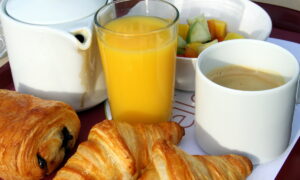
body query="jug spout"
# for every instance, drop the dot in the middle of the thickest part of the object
(83, 38)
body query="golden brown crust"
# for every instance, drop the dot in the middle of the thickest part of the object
(32, 127)
(117, 150)
(171, 163)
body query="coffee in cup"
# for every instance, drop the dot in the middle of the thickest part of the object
(245, 78)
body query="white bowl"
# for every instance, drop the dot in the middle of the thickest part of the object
(241, 16)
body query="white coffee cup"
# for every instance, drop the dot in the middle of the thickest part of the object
(252, 123)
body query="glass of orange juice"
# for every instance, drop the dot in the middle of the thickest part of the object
(137, 42)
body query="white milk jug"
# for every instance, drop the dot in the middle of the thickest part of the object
(52, 49)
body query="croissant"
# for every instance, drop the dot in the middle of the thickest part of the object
(34, 135)
(171, 163)
(117, 150)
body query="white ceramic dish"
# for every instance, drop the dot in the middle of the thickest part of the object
(242, 16)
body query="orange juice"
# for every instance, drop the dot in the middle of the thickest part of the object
(139, 56)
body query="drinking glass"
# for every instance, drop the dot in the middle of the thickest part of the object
(137, 42)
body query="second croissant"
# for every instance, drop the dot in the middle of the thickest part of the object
(169, 162)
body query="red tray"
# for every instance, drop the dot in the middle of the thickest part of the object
(96, 114)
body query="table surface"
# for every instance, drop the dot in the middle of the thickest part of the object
(287, 31)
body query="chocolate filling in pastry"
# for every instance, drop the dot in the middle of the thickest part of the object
(42, 162)
(66, 138)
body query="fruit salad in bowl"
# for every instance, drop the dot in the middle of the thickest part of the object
(203, 23)
(200, 33)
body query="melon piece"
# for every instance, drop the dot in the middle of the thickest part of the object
(217, 28)
(233, 35)
(183, 30)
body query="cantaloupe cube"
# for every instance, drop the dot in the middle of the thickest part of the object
(218, 29)
(212, 29)
(190, 52)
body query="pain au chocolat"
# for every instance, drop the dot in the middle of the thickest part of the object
(34, 135)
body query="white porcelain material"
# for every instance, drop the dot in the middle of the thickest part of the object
(242, 16)
(52, 11)
(57, 61)
(252, 123)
